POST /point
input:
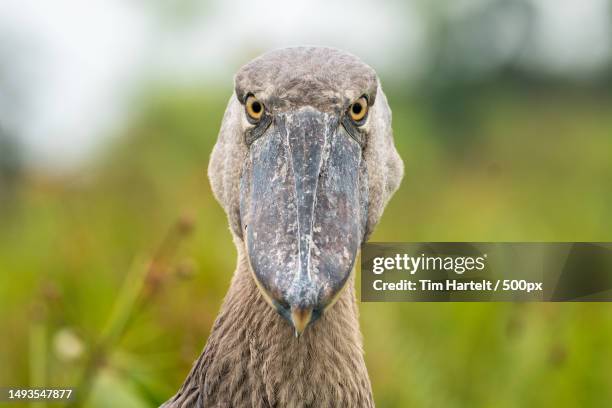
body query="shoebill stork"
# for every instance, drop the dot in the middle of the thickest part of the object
(304, 164)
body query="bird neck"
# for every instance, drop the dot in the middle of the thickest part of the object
(253, 356)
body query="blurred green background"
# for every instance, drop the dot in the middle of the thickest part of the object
(115, 257)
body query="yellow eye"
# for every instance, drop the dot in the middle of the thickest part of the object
(359, 109)
(254, 108)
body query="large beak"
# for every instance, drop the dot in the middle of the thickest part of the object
(303, 212)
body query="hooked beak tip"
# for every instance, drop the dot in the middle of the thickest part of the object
(300, 318)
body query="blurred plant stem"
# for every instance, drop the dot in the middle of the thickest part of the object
(142, 282)
(38, 357)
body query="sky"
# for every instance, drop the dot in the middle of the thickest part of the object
(70, 70)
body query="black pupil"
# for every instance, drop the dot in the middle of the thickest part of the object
(256, 107)
(357, 108)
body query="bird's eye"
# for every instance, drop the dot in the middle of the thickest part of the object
(358, 110)
(254, 108)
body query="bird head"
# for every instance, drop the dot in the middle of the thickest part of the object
(304, 165)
